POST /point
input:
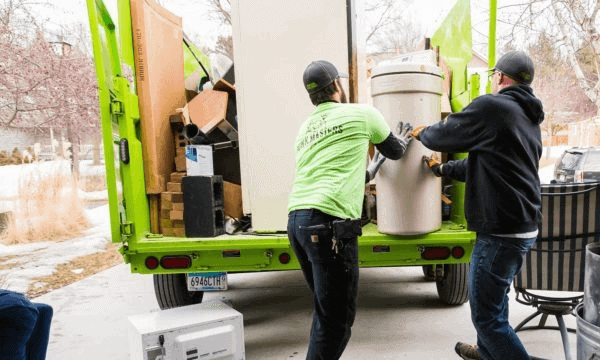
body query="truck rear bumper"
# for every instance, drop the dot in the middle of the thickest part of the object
(269, 252)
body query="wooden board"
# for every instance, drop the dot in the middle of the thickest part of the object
(158, 41)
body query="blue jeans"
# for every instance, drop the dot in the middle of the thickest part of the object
(24, 327)
(495, 262)
(332, 279)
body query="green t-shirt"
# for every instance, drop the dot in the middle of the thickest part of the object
(331, 158)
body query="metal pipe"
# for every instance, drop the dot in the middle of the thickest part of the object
(193, 133)
(492, 42)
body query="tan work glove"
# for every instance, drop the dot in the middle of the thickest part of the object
(434, 164)
(415, 133)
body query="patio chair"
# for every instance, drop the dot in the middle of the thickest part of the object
(571, 220)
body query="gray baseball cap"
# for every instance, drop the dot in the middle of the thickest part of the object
(517, 65)
(318, 74)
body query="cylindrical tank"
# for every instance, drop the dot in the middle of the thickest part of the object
(588, 337)
(591, 298)
(408, 194)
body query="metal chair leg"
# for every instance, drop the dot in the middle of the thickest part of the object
(563, 335)
(529, 318)
(543, 320)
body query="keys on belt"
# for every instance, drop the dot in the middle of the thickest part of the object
(336, 245)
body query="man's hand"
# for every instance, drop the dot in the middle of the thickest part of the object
(417, 131)
(403, 133)
(374, 165)
(434, 164)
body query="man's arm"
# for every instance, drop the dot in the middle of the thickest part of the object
(392, 147)
(455, 169)
(461, 132)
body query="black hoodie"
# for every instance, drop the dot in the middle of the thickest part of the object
(502, 135)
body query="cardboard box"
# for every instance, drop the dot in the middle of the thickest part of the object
(199, 160)
(157, 41)
(208, 111)
(232, 194)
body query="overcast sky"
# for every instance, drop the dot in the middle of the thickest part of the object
(197, 22)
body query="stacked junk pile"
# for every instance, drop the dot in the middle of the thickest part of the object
(189, 131)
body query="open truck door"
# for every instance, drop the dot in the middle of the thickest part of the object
(184, 267)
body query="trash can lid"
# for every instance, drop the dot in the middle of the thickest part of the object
(393, 68)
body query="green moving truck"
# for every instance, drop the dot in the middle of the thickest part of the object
(182, 267)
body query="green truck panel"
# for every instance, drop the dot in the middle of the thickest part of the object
(129, 212)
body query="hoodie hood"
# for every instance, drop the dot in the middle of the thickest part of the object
(523, 95)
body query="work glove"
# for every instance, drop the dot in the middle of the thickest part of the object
(375, 164)
(403, 131)
(417, 131)
(434, 164)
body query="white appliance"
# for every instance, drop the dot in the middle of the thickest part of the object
(207, 331)
(274, 41)
(409, 199)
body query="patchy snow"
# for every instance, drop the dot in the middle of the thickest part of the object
(546, 174)
(41, 258)
(11, 176)
(86, 168)
(23, 262)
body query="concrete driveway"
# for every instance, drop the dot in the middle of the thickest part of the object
(399, 317)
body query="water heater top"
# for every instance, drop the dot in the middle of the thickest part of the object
(400, 67)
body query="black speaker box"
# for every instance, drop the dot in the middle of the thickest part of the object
(203, 213)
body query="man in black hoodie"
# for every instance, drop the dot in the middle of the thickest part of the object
(501, 133)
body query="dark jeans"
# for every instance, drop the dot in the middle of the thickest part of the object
(332, 279)
(24, 327)
(495, 262)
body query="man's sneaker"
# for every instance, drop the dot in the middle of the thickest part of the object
(467, 351)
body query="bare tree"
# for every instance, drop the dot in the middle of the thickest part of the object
(572, 27)
(44, 84)
(382, 15)
(400, 37)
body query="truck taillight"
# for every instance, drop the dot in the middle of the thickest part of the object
(176, 262)
(458, 252)
(151, 262)
(435, 253)
(284, 258)
(578, 176)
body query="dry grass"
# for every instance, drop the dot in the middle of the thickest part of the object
(47, 209)
(75, 270)
(93, 183)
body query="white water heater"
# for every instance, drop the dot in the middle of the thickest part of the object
(408, 194)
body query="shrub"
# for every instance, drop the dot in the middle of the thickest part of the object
(47, 209)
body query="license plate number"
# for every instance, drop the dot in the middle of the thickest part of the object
(208, 281)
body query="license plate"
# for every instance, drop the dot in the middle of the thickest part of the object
(207, 281)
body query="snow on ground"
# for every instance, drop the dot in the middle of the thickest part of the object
(41, 258)
(11, 176)
(546, 174)
(27, 261)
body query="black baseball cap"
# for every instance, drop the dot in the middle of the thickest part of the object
(517, 65)
(318, 74)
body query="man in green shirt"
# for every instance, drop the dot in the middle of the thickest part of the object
(326, 201)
